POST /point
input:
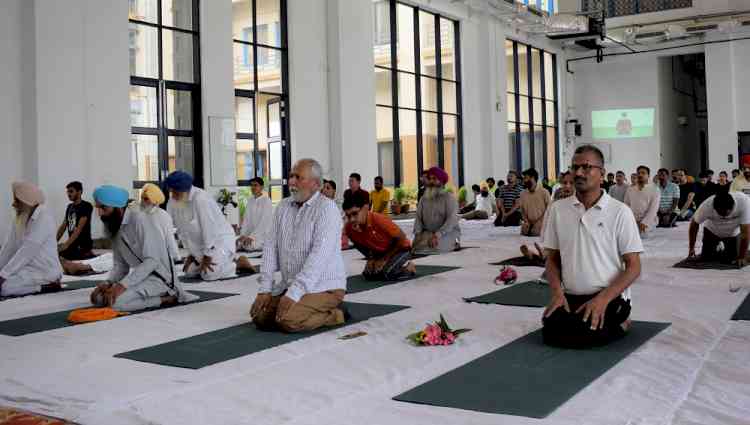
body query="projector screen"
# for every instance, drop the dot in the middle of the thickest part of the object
(622, 123)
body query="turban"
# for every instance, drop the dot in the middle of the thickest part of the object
(153, 193)
(28, 193)
(179, 181)
(483, 186)
(111, 196)
(439, 174)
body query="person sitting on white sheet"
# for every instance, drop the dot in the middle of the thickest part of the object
(28, 258)
(305, 246)
(143, 274)
(202, 228)
(643, 200)
(151, 200)
(726, 220)
(258, 219)
(593, 256)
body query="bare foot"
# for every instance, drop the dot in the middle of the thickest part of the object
(410, 267)
(626, 325)
(244, 265)
(526, 253)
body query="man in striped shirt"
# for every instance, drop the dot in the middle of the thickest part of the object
(508, 210)
(304, 244)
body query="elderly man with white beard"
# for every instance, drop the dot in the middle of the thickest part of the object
(28, 259)
(436, 227)
(304, 244)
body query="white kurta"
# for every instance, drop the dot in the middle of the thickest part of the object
(257, 221)
(29, 259)
(204, 231)
(163, 221)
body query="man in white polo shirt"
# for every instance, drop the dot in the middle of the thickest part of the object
(593, 256)
(726, 219)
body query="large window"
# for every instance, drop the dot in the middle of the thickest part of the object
(549, 6)
(532, 108)
(261, 91)
(164, 89)
(417, 93)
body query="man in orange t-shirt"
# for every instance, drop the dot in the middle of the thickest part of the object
(386, 247)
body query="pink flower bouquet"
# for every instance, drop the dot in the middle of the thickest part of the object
(437, 333)
(507, 276)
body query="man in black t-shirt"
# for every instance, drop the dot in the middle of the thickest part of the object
(704, 189)
(77, 222)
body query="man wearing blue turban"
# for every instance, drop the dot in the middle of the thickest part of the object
(202, 228)
(143, 274)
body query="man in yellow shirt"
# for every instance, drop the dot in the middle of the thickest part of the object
(380, 197)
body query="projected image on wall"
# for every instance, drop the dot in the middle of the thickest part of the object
(622, 123)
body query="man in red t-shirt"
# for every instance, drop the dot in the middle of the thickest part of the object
(386, 247)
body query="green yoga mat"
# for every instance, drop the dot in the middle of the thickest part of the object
(698, 264)
(358, 283)
(520, 262)
(526, 294)
(743, 311)
(188, 280)
(526, 377)
(80, 284)
(59, 319)
(218, 346)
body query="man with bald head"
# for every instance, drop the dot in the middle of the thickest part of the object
(304, 244)
(28, 259)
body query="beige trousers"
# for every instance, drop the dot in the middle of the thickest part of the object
(311, 312)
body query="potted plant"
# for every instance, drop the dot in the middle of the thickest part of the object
(225, 199)
(410, 196)
(462, 197)
(398, 199)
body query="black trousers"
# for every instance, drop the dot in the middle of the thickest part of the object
(568, 330)
(75, 253)
(512, 220)
(667, 219)
(709, 252)
(392, 269)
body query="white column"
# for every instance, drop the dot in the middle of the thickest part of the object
(722, 127)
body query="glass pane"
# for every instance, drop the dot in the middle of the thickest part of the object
(449, 97)
(177, 13)
(525, 147)
(242, 20)
(447, 48)
(407, 121)
(145, 157)
(406, 90)
(550, 113)
(383, 87)
(276, 161)
(243, 66)
(179, 110)
(384, 136)
(268, 17)
(539, 150)
(549, 77)
(144, 51)
(143, 10)
(269, 70)
(450, 147)
(523, 74)
(381, 36)
(245, 160)
(429, 94)
(536, 73)
(510, 106)
(551, 152)
(262, 133)
(427, 50)
(180, 154)
(429, 140)
(523, 109)
(277, 193)
(405, 31)
(512, 145)
(143, 106)
(177, 56)
(274, 119)
(510, 71)
(243, 112)
(537, 111)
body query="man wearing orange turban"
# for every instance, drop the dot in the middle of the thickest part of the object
(436, 225)
(28, 259)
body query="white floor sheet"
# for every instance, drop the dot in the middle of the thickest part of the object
(695, 372)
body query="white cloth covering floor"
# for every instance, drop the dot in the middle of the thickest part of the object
(695, 372)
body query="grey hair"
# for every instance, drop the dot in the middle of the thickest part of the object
(316, 171)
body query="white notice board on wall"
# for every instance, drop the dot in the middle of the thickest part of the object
(222, 151)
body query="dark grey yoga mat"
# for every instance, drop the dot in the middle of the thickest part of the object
(698, 264)
(526, 377)
(218, 346)
(519, 262)
(184, 279)
(358, 283)
(59, 319)
(526, 294)
(743, 311)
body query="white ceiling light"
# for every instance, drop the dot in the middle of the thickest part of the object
(675, 31)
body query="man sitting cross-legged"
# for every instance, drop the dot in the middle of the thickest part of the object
(726, 219)
(565, 190)
(143, 274)
(305, 246)
(482, 208)
(593, 256)
(385, 245)
(436, 224)
(28, 259)
(257, 220)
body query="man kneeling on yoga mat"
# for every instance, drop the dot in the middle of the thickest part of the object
(304, 243)
(386, 247)
(593, 256)
(726, 220)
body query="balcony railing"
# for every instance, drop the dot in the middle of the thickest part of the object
(615, 8)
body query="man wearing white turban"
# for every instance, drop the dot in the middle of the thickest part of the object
(28, 259)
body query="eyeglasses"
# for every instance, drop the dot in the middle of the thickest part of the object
(585, 167)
